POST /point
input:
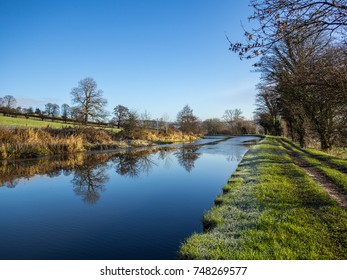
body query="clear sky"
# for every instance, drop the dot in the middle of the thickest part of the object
(154, 55)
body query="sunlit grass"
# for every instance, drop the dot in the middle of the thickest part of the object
(319, 159)
(339, 162)
(23, 122)
(275, 211)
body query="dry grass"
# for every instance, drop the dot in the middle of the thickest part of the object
(171, 137)
(28, 142)
(31, 143)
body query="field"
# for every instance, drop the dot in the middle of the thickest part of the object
(281, 203)
(23, 122)
(37, 123)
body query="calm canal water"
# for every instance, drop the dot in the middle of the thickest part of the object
(126, 205)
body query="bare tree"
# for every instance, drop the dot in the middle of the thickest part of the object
(76, 114)
(163, 122)
(305, 81)
(214, 126)
(146, 120)
(121, 115)
(325, 98)
(131, 125)
(280, 19)
(268, 110)
(65, 111)
(234, 118)
(52, 109)
(89, 100)
(187, 122)
(29, 110)
(9, 102)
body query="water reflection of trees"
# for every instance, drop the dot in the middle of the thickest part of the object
(236, 154)
(165, 155)
(89, 171)
(237, 151)
(89, 181)
(136, 162)
(54, 173)
(187, 155)
(132, 164)
(11, 172)
(11, 184)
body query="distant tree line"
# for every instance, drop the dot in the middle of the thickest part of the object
(88, 105)
(303, 66)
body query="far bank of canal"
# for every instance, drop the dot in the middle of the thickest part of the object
(124, 205)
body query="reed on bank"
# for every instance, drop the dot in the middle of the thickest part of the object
(27, 142)
(31, 143)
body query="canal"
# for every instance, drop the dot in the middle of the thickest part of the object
(139, 204)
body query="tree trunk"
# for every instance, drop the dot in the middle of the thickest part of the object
(325, 144)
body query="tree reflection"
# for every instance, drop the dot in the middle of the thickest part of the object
(165, 155)
(13, 171)
(133, 163)
(11, 184)
(89, 171)
(187, 155)
(54, 173)
(236, 153)
(89, 181)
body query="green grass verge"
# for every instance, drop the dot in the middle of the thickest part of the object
(34, 123)
(326, 157)
(37, 123)
(270, 209)
(335, 175)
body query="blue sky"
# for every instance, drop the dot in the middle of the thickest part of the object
(154, 55)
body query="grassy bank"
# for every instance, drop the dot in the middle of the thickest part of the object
(270, 209)
(333, 168)
(33, 123)
(28, 142)
(21, 122)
